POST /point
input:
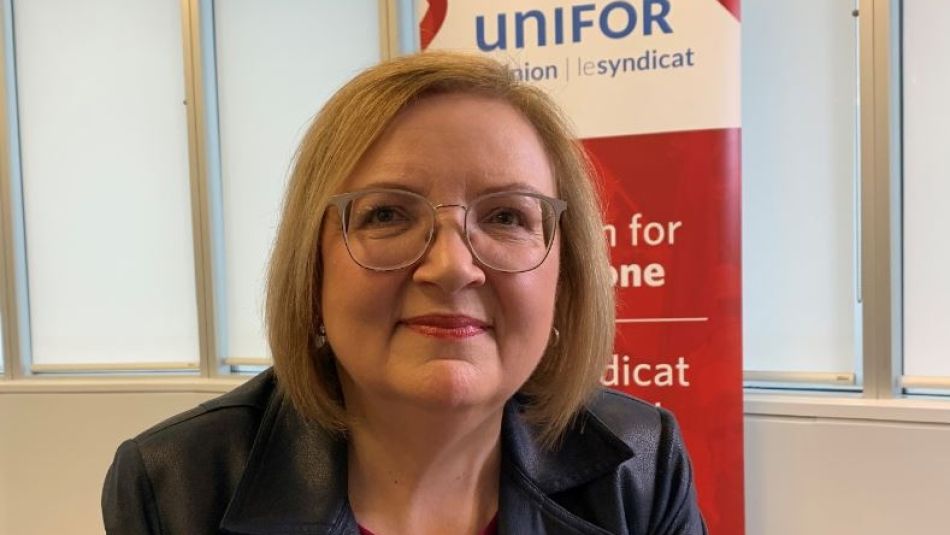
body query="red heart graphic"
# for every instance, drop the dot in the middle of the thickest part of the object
(432, 21)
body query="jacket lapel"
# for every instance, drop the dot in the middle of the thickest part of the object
(294, 481)
(531, 475)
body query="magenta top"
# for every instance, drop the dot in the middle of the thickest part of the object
(490, 529)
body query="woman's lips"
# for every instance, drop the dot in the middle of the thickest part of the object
(446, 326)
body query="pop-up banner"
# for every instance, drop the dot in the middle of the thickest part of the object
(652, 87)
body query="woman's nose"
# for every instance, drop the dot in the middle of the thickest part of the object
(449, 263)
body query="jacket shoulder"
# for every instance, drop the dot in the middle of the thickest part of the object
(630, 419)
(179, 475)
(249, 399)
(658, 478)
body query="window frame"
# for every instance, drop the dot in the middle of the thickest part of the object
(883, 391)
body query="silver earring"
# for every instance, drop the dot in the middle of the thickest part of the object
(556, 336)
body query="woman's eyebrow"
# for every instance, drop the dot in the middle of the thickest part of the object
(510, 187)
(390, 184)
(514, 186)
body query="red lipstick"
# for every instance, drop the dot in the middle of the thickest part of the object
(446, 325)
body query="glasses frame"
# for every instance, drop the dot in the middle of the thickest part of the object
(344, 201)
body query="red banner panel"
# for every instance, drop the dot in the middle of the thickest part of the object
(653, 89)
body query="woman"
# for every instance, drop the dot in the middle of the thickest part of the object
(439, 311)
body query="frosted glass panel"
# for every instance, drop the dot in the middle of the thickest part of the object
(799, 132)
(926, 188)
(277, 63)
(106, 189)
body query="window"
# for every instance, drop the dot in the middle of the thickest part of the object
(104, 167)
(275, 69)
(845, 249)
(147, 147)
(926, 188)
(800, 178)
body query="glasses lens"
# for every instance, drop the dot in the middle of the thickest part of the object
(511, 231)
(387, 229)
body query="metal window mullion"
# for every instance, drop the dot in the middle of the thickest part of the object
(204, 166)
(17, 342)
(388, 25)
(879, 243)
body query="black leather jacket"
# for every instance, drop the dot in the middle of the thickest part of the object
(246, 462)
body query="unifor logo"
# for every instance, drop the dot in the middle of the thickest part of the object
(538, 27)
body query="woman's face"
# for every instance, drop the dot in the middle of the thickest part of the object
(445, 332)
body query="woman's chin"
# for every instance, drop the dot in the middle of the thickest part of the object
(453, 384)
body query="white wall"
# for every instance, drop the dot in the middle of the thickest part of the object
(55, 449)
(804, 475)
(839, 476)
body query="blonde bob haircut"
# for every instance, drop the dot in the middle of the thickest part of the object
(569, 372)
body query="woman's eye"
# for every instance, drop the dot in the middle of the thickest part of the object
(382, 216)
(505, 217)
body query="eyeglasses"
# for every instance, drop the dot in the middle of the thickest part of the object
(389, 229)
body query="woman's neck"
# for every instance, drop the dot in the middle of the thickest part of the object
(412, 471)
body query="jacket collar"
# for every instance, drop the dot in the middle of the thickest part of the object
(294, 480)
(532, 474)
(295, 477)
(588, 449)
